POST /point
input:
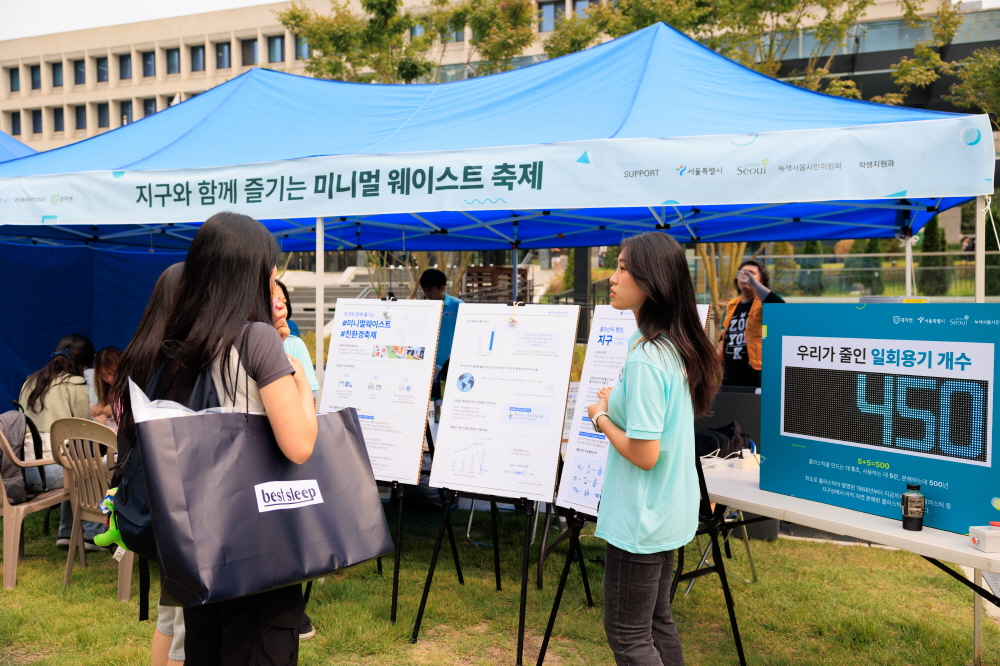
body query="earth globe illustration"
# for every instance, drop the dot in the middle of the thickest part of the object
(465, 382)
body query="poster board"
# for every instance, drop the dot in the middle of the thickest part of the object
(859, 401)
(505, 400)
(587, 452)
(381, 362)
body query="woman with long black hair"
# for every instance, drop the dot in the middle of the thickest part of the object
(59, 391)
(221, 321)
(649, 503)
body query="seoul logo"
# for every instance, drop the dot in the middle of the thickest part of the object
(971, 136)
(680, 170)
(753, 168)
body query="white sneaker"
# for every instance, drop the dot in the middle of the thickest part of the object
(62, 542)
(92, 547)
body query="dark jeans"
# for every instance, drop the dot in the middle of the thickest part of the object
(637, 619)
(258, 630)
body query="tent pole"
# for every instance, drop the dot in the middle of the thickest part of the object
(980, 249)
(320, 298)
(909, 264)
(513, 280)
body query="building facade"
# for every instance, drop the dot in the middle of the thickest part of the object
(61, 88)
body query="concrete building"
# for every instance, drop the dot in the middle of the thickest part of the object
(60, 88)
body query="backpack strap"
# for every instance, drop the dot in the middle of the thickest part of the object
(36, 441)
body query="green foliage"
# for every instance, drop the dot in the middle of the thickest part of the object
(811, 276)
(501, 30)
(568, 267)
(784, 272)
(374, 47)
(933, 280)
(611, 256)
(875, 282)
(979, 82)
(927, 65)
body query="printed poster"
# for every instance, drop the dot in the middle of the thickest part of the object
(505, 400)
(381, 362)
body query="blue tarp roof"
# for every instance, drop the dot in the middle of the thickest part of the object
(653, 83)
(11, 148)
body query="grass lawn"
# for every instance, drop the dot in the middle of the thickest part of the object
(815, 603)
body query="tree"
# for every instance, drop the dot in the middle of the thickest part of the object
(501, 30)
(933, 279)
(876, 284)
(811, 277)
(992, 260)
(784, 272)
(979, 82)
(721, 261)
(927, 65)
(375, 47)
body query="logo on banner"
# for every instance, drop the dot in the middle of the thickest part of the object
(277, 495)
(680, 170)
(971, 136)
(753, 168)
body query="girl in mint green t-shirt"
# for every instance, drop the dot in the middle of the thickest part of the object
(649, 503)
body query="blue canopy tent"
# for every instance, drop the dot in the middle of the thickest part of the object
(649, 131)
(11, 148)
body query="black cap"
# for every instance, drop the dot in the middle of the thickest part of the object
(913, 486)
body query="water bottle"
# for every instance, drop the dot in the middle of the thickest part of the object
(913, 508)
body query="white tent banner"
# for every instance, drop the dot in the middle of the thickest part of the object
(933, 158)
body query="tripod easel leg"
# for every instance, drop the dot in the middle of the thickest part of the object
(575, 537)
(529, 510)
(397, 490)
(447, 497)
(717, 556)
(454, 549)
(494, 525)
(559, 590)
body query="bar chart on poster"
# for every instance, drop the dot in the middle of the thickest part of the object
(505, 399)
(381, 362)
(587, 451)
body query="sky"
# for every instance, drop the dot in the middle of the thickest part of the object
(29, 18)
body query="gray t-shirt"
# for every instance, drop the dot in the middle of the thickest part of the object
(261, 360)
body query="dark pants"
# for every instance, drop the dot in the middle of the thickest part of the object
(258, 630)
(637, 619)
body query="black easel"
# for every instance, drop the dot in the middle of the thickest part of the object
(575, 523)
(713, 524)
(525, 507)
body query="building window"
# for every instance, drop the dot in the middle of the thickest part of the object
(416, 31)
(276, 49)
(149, 63)
(457, 36)
(125, 66)
(15, 80)
(301, 48)
(36, 77)
(58, 119)
(148, 107)
(249, 47)
(57, 79)
(222, 56)
(173, 61)
(36, 121)
(103, 115)
(198, 58)
(15, 123)
(81, 116)
(125, 111)
(550, 13)
(102, 70)
(79, 72)
(581, 7)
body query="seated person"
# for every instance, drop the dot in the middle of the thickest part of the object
(99, 383)
(740, 345)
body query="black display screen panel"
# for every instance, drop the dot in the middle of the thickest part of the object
(918, 415)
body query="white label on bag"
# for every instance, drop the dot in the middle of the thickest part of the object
(275, 495)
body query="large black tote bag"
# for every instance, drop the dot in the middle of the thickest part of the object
(232, 516)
